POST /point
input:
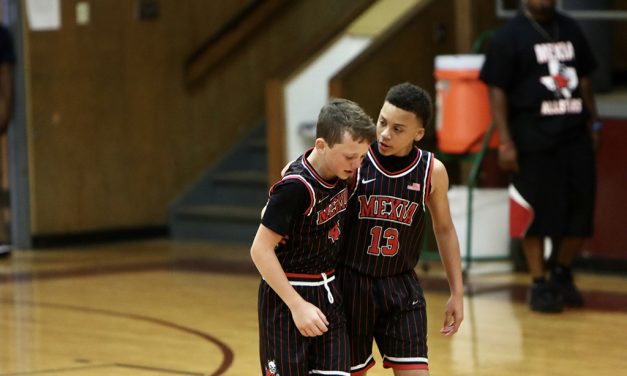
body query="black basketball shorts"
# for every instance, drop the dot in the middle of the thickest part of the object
(283, 350)
(389, 310)
(555, 189)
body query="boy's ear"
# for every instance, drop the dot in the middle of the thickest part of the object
(320, 143)
(420, 134)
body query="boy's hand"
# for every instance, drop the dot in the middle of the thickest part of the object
(453, 315)
(309, 319)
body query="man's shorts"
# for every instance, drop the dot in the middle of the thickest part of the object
(284, 351)
(390, 310)
(553, 192)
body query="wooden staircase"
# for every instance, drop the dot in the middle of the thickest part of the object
(225, 204)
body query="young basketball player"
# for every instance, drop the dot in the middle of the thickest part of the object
(302, 329)
(385, 224)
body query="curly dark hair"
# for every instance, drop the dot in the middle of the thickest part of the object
(412, 98)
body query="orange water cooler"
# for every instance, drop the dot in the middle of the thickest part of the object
(462, 107)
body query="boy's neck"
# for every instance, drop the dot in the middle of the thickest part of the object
(405, 153)
(394, 162)
(317, 163)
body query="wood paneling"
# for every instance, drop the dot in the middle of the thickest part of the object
(619, 41)
(234, 34)
(465, 26)
(275, 134)
(115, 136)
(340, 16)
(403, 53)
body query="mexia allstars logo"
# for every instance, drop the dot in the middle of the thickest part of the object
(562, 80)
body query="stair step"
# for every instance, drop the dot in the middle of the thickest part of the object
(258, 143)
(226, 204)
(247, 177)
(242, 232)
(222, 212)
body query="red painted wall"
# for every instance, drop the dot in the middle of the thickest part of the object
(610, 221)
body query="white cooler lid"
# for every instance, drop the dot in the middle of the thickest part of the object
(459, 62)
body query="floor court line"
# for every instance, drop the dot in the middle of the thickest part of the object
(227, 352)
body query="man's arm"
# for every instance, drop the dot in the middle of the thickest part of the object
(448, 246)
(508, 158)
(308, 318)
(588, 100)
(6, 96)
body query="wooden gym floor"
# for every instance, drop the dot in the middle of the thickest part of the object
(174, 308)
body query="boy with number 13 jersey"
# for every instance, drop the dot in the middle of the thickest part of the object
(385, 223)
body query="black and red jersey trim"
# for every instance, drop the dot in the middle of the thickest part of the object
(312, 194)
(427, 182)
(302, 277)
(314, 173)
(353, 183)
(394, 174)
(405, 363)
(363, 368)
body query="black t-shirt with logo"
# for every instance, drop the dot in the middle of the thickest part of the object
(539, 67)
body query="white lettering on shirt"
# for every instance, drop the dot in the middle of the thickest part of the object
(560, 51)
(561, 107)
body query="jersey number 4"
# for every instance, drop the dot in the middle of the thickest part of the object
(383, 242)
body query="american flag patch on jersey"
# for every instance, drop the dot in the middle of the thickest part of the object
(413, 186)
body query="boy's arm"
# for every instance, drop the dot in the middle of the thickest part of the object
(308, 318)
(448, 246)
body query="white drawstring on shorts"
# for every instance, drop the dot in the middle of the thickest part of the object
(325, 282)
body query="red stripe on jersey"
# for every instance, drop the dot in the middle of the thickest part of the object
(364, 370)
(388, 364)
(314, 173)
(317, 277)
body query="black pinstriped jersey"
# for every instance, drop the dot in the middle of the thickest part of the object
(386, 215)
(314, 234)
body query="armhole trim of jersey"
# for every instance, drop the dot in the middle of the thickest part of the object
(356, 185)
(427, 182)
(312, 171)
(312, 194)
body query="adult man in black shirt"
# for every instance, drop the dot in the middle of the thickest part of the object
(538, 68)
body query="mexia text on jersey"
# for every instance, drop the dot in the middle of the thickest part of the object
(387, 208)
(336, 205)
